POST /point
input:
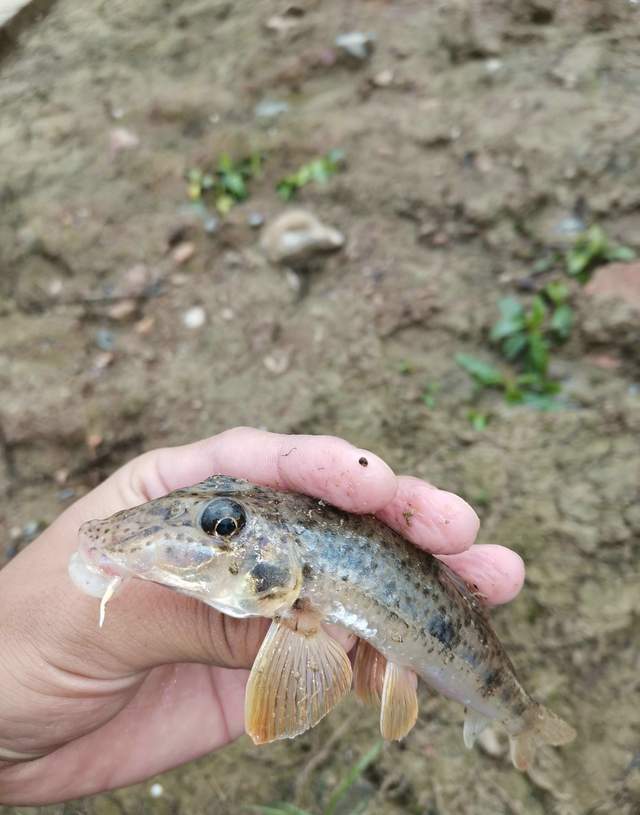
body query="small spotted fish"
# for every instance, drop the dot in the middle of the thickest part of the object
(251, 551)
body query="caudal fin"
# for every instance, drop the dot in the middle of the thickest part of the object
(542, 727)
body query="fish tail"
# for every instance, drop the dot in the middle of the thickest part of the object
(541, 727)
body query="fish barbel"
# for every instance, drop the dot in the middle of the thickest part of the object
(251, 551)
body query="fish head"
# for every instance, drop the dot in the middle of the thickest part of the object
(220, 541)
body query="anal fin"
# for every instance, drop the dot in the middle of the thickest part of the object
(368, 674)
(299, 675)
(474, 724)
(399, 703)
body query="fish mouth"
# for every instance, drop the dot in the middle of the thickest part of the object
(93, 555)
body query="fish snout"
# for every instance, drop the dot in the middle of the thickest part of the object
(93, 540)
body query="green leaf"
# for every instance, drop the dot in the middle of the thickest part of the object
(477, 419)
(482, 372)
(537, 313)
(562, 321)
(544, 264)
(352, 776)
(278, 809)
(225, 164)
(537, 383)
(577, 262)
(336, 157)
(621, 253)
(234, 183)
(538, 353)
(540, 401)
(224, 203)
(510, 308)
(286, 190)
(515, 345)
(557, 292)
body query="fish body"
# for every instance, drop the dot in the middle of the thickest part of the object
(251, 551)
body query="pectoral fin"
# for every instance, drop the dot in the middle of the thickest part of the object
(399, 709)
(368, 674)
(299, 675)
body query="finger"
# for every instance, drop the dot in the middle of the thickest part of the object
(497, 572)
(438, 521)
(322, 466)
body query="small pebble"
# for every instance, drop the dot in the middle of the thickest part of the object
(227, 314)
(281, 25)
(183, 253)
(255, 220)
(297, 235)
(270, 109)
(121, 139)
(31, 529)
(55, 288)
(105, 339)
(156, 790)
(211, 224)
(94, 440)
(122, 310)
(136, 280)
(103, 360)
(383, 79)
(66, 495)
(277, 363)
(356, 45)
(492, 66)
(194, 317)
(144, 326)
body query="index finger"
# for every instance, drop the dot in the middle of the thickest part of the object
(324, 467)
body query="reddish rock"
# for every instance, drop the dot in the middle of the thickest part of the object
(617, 280)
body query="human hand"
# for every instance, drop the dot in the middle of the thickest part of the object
(163, 682)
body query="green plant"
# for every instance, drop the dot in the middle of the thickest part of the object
(227, 184)
(525, 337)
(336, 796)
(591, 249)
(429, 395)
(319, 170)
(477, 419)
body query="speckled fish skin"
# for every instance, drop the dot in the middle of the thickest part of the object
(352, 569)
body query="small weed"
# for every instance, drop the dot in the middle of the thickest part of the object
(525, 337)
(228, 184)
(592, 249)
(336, 796)
(477, 419)
(429, 395)
(319, 170)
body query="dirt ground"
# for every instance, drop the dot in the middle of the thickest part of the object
(474, 133)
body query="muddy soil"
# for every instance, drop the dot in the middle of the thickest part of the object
(474, 134)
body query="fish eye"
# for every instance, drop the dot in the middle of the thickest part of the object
(222, 518)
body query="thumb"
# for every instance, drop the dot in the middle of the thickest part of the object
(146, 625)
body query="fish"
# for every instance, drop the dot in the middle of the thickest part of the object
(247, 550)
